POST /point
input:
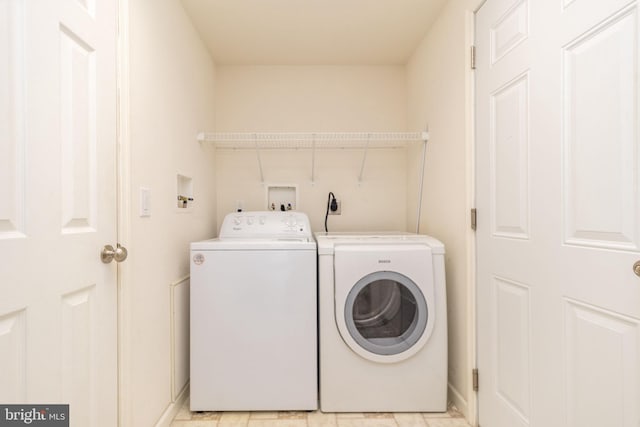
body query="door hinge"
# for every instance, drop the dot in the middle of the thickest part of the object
(473, 57)
(474, 379)
(474, 219)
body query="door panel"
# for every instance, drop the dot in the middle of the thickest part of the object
(13, 338)
(602, 367)
(558, 183)
(600, 136)
(12, 117)
(513, 345)
(57, 209)
(509, 31)
(78, 136)
(510, 158)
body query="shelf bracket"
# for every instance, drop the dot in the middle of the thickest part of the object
(425, 138)
(255, 138)
(313, 160)
(364, 159)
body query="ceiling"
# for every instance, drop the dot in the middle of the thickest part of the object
(312, 32)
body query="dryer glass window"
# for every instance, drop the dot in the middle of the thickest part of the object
(386, 313)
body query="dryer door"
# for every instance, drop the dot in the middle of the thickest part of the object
(384, 300)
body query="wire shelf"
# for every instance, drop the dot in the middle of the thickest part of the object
(310, 140)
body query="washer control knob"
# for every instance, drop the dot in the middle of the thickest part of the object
(249, 220)
(237, 220)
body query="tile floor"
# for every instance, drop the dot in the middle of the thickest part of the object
(186, 418)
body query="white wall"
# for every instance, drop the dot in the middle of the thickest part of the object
(439, 92)
(308, 99)
(171, 92)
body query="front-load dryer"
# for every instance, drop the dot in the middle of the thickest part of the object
(382, 323)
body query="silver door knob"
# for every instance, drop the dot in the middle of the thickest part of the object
(108, 254)
(636, 268)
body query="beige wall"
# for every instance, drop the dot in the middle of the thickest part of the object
(173, 97)
(171, 91)
(439, 92)
(433, 89)
(308, 99)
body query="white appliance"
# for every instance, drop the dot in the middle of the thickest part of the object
(254, 316)
(383, 323)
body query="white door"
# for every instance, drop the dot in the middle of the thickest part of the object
(57, 206)
(558, 198)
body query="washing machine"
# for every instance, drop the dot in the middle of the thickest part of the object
(382, 323)
(253, 315)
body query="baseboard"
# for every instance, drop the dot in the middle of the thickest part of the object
(458, 401)
(173, 408)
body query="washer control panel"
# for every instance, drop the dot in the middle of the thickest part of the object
(266, 225)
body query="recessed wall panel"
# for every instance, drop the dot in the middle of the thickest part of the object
(509, 144)
(180, 335)
(78, 134)
(78, 353)
(603, 367)
(12, 121)
(513, 346)
(510, 30)
(600, 121)
(12, 357)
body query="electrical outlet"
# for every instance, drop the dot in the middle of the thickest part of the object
(337, 211)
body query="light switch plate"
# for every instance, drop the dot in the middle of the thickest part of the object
(145, 202)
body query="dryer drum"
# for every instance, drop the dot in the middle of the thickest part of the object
(376, 304)
(384, 309)
(386, 313)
